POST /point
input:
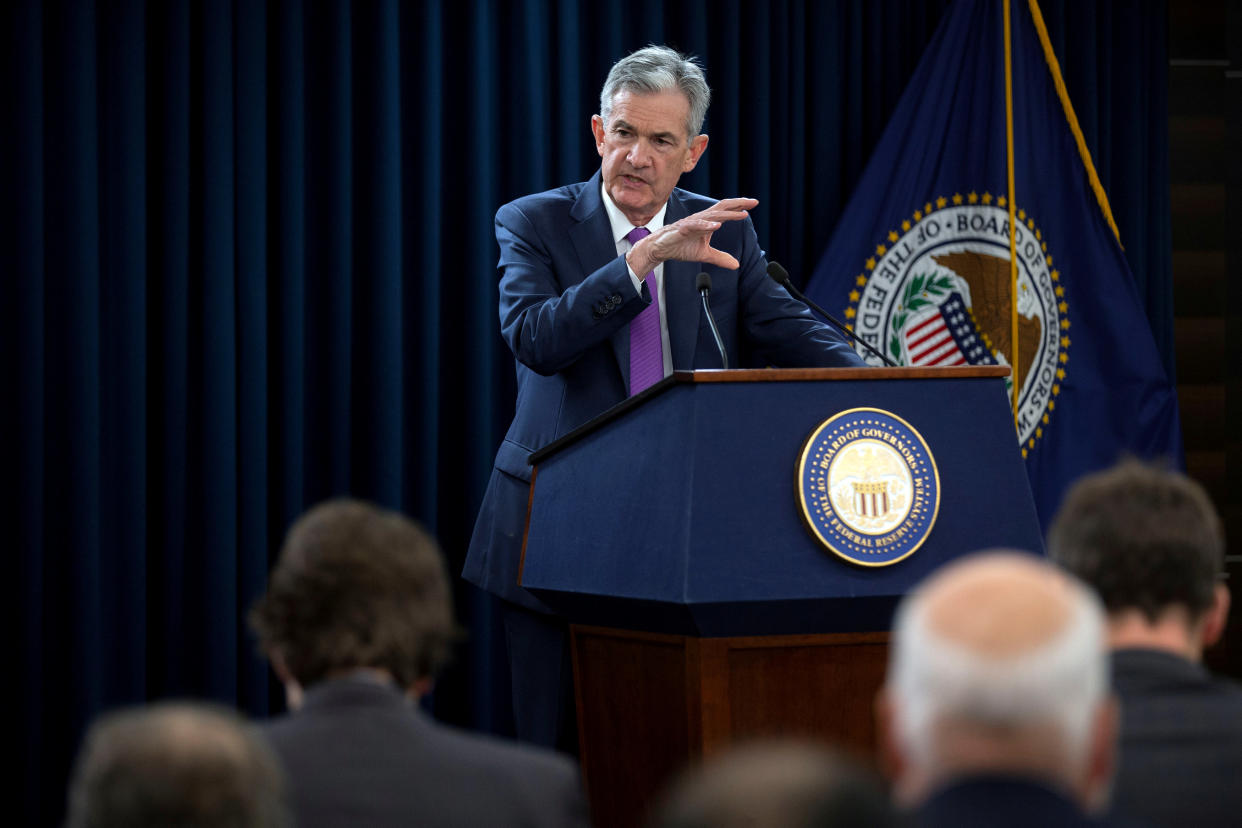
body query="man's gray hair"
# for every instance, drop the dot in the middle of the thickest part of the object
(659, 69)
(187, 764)
(1060, 681)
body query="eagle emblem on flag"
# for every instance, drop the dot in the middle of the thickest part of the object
(938, 293)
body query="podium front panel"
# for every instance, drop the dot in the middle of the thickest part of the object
(683, 515)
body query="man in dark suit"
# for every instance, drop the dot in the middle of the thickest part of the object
(597, 302)
(357, 617)
(995, 710)
(1151, 544)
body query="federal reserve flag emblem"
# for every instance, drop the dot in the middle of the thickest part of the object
(937, 293)
(868, 487)
(920, 258)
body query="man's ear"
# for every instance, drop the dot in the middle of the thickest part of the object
(909, 781)
(420, 687)
(1217, 616)
(1102, 756)
(597, 129)
(279, 667)
(697, 147)
(888, 749)
(293, 687)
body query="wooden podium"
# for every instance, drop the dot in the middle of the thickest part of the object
(668, 531)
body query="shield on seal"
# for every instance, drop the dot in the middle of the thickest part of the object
(945, 334)
(871, 499)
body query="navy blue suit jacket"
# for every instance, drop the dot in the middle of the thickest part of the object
(996, 800)
(1180, 749)
(566, 301)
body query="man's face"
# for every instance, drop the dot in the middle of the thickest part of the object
(645, 150)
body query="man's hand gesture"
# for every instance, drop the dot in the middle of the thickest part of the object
(690, 240)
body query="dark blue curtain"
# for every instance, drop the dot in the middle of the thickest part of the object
(1115, 58)
(248, 264)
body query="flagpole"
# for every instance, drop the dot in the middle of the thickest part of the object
(1013, 237)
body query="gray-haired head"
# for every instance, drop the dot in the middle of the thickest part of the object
(998, 665)
(659, 69)
(188, 764)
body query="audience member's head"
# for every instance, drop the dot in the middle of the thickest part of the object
(998, 666)
(775, 785)
(188, 765)
(1149, 541)
(356, 588)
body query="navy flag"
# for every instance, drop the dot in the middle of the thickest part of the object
(921, 266)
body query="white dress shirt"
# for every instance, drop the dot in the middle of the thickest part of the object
(621, 228)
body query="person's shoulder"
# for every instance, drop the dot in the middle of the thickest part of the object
(290, 737)
(557, 200)
(529, 785)
(279, 727)
(340, 709)
(1226, 686)
(1225, 695)
(1162, 693)
(487, 752)
(1000, 799)
(1142, 669)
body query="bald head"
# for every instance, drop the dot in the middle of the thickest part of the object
(998, 664)
(1000, 605)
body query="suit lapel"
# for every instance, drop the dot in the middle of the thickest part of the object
(595, 246)
(592, 235)
(681, 302)
(593, 242)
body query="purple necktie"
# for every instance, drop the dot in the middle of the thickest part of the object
(646, 355)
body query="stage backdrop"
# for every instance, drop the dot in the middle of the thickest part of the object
(248, 264)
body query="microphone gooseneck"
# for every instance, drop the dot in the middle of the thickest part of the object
(781, 277)
(703, 284)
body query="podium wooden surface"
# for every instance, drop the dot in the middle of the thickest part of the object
(649, 704)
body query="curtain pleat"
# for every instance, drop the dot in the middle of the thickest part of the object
(255, 348)
(23, 235)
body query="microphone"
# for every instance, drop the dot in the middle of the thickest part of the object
(781, 277)
(703, 284)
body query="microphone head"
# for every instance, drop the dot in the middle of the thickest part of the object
(778, 273)
(702, 282)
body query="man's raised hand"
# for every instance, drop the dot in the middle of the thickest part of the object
(690, 240)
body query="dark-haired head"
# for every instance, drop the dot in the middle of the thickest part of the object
(1144, 537)
(356, 587)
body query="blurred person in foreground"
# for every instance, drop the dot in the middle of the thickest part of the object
(1151, 544)
(780, 784)
(175, 764)
(996, 710)
(356, 620)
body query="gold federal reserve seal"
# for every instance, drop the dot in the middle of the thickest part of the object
(868, 487)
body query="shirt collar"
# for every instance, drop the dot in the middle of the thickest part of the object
(621, 226)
